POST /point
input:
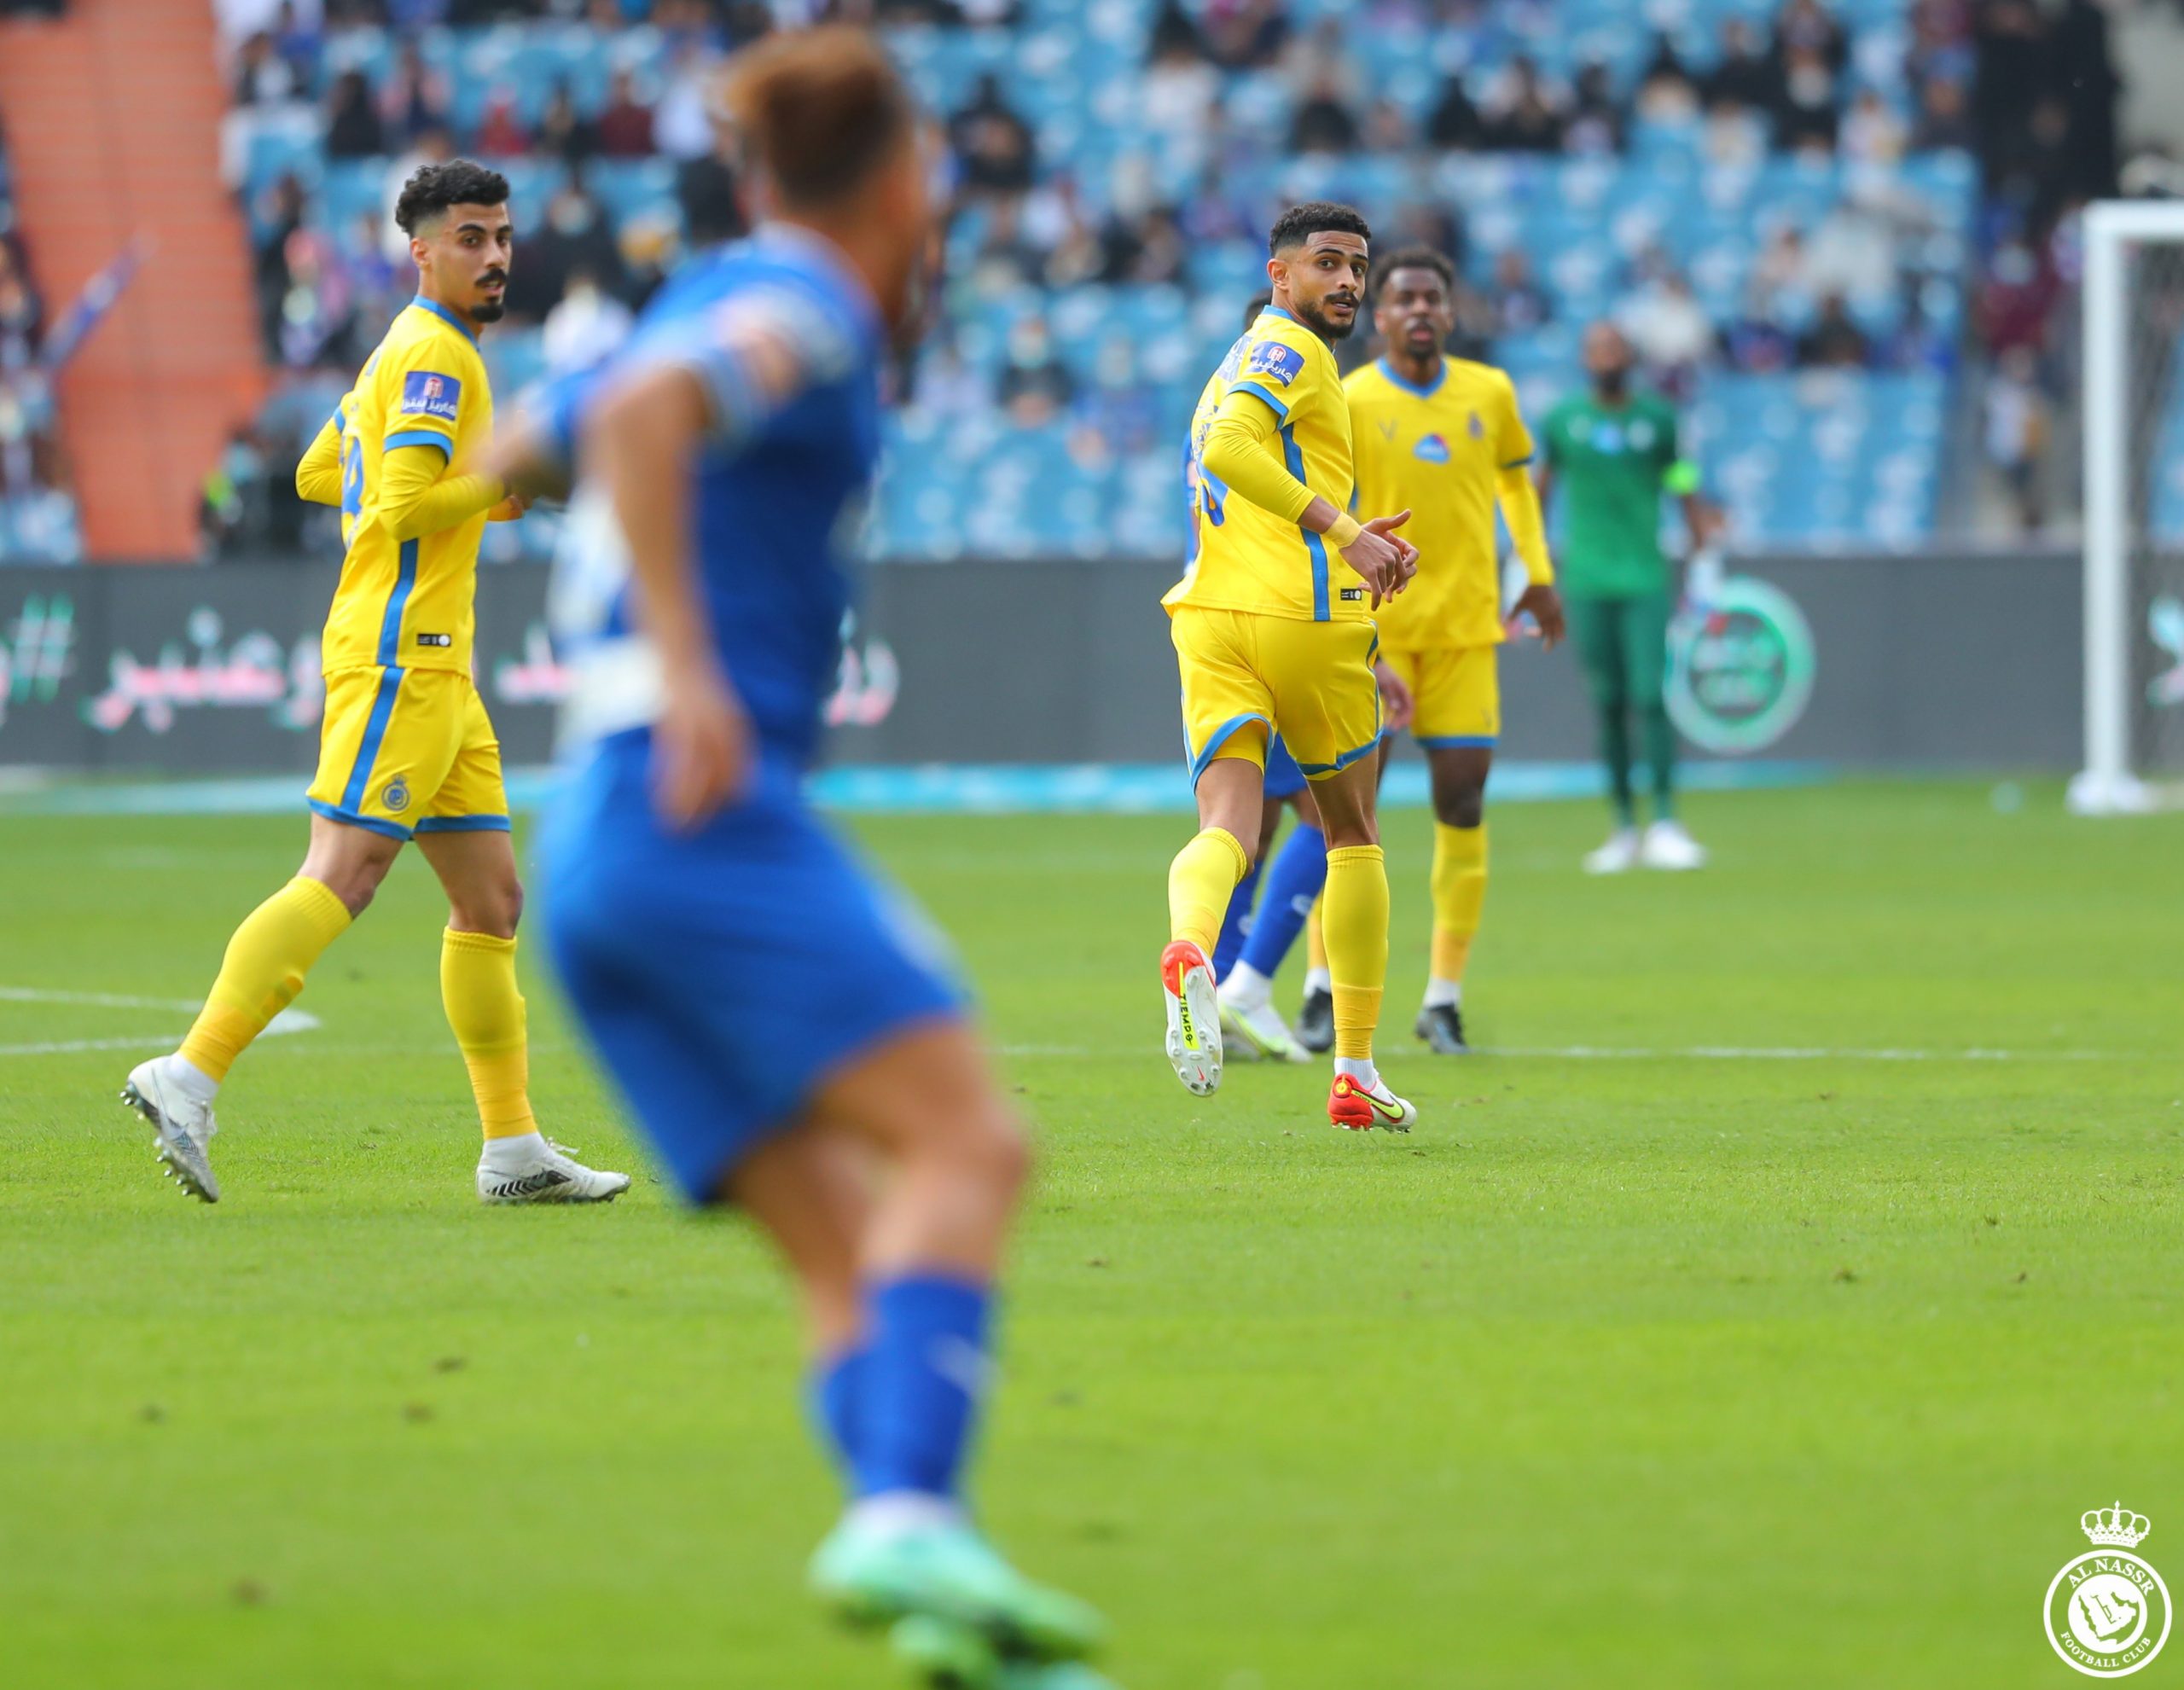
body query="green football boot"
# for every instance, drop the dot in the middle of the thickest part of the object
(942, 1655)
(947, 1571)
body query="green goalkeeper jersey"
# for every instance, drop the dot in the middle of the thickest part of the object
(1612, 464)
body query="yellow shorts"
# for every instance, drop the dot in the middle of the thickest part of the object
(1245, 676)
(409, 751)
(1457, 694)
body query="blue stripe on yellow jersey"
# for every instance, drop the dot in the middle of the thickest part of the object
(408, 603)
(1242, 557)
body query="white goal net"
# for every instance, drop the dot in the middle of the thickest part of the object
(2134, 324)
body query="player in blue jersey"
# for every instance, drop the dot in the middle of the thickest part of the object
(788, 1034)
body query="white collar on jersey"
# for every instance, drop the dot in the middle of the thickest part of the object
(818, 250)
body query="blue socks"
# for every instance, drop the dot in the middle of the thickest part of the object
(900, 1411)
(1236, 926)
(831, 1396)
(1293, 883)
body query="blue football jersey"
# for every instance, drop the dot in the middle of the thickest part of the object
(776, 495)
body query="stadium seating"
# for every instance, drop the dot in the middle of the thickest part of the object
(1871, 445)
(37, 524)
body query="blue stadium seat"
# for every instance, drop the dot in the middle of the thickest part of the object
(1865, 450)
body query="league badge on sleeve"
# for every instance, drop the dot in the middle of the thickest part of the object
(1279, 363)
(425, 393)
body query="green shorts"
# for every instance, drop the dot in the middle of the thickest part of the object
(1622, 644)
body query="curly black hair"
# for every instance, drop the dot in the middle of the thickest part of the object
(1413, 257)
(1299, 223)
(434, 188)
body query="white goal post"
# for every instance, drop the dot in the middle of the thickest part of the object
(2132, 302)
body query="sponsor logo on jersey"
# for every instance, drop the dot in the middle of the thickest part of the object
(1432, 448)
(1276, 362)
(1475, 428)
(427, 394)
(1352, 594)
(442, 640)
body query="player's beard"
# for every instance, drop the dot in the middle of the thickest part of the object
(1318, 322)
(489, 310)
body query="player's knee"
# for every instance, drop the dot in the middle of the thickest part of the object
(356, 884)
(996, 1145)
(1364, 830)
(494, 908)
(1459, 804)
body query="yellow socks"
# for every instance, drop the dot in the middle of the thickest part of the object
(263, 970)
(1356, 919)
(1459, 891)
(478, 987)
(1199, 881)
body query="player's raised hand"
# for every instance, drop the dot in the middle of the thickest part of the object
(701, 747)
(1543, 605)
(1378, 555)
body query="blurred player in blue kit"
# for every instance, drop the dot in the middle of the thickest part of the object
(786, 1033)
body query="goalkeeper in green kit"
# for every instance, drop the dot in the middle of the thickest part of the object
(1612, 452)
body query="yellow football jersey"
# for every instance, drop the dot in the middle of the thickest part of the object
(409, 604)
(1247, 559)
(1437, 452)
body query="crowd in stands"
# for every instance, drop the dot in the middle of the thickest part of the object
(1763, 189)
(36, 517)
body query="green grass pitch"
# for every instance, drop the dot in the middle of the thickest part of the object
(1655, 1365)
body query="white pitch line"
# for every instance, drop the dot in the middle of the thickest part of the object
(287, 1021)
(1719, 1053)
(1701, 1053)
(60, 1047)
(97, 1000)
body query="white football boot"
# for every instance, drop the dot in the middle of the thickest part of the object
(1256, 1026)
(1619, 854)
(184, 1126)
(1193, 1039)
(1668, 846)
(550, 1175)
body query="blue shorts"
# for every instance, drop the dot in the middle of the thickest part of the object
(1284, 779)
(725, 975)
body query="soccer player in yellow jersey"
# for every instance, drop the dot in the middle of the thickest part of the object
(1273, 629)
(1443, 437)
(406, 750)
